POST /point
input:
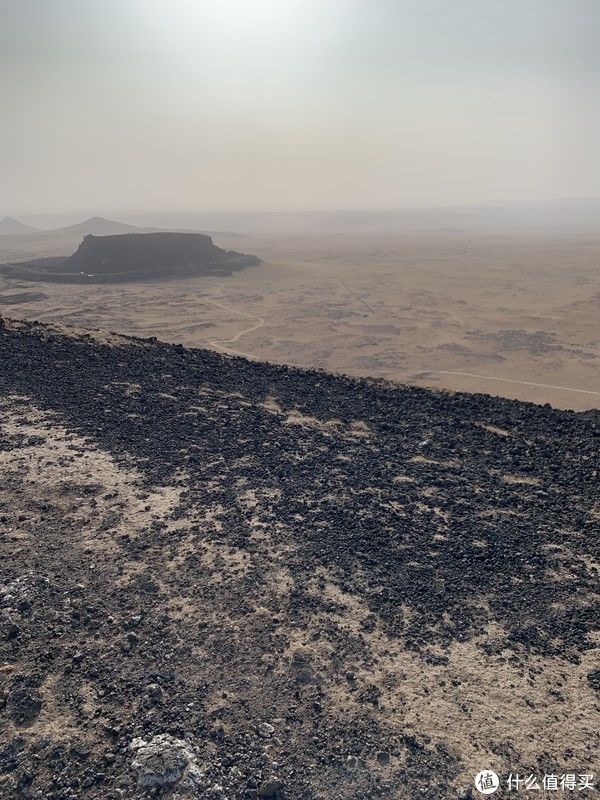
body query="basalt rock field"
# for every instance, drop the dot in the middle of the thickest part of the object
(229, 579)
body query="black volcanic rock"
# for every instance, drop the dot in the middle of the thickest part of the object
(231, 579)
(137, 252)
(134, 256)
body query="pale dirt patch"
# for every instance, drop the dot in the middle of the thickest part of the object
(360, 428)
(423, 460)
(60, 465)
(520, 479)
(499, 512)
(357, 429)
(297, 418)
(255, 504)
(435, 510)
(130, 389)
(222, 559)
(129, 571)
(493, 429)
(471, 703)
(55, 720)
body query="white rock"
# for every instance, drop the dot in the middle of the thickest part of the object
(162, 761)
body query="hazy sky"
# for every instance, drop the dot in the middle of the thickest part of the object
(296, 104)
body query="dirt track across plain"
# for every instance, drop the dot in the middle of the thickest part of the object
(516, 316)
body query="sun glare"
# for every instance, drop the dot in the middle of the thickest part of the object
(226, 20)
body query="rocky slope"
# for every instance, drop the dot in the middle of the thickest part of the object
(131, 257)
(224, 579)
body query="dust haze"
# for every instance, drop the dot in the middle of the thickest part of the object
(501, 301)
(299, 399)
(418, 181)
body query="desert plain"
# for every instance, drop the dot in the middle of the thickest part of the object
(512, 314)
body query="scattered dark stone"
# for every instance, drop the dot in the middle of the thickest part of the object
(10, 754)
(24, 705)
(270, 788)
(304, 676)
(154, 692)
(12, 630)
(200, 605)
(594, 679)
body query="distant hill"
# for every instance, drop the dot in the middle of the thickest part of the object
(97, 226)
(133, 256)
(11, 226)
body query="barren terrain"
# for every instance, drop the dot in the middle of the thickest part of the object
(225, 579)
(510, 315)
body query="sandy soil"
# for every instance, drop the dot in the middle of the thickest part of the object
(513, 316)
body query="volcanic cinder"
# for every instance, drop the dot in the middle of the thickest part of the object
(232, 579)
(133, 257)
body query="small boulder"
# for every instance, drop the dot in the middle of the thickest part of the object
(265, 730)
(270, 788)
(162, 761)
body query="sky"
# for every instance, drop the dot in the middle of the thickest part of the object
(268, 105)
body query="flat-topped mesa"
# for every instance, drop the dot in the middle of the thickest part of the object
(132, 252)
(134, 256)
